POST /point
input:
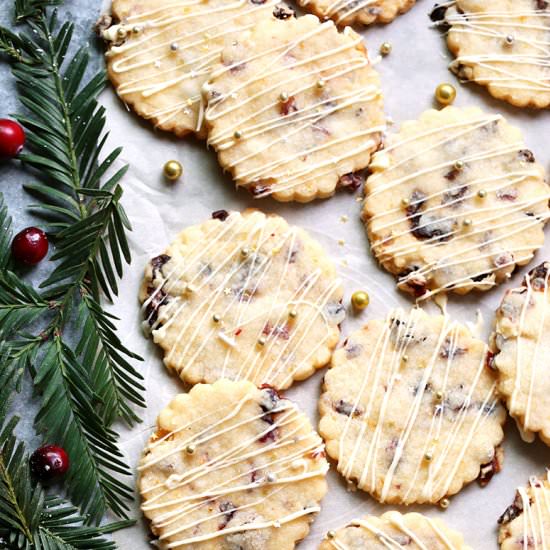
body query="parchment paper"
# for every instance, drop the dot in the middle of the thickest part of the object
(159, 210)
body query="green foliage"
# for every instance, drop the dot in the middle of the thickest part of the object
(61, 334)
(31, 520)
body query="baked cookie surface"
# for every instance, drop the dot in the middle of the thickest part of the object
(394, 530)
(161, 53)
(295, 109)
(349, 12)
(526, 523)
(521, 346)
(455, 202)
(249, 297)
(232, 466)
(409, 409)
(503, 45)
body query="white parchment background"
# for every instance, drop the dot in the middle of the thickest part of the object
(159, 210)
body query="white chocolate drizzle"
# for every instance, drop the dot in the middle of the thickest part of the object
(525, 384)
(312, 85)
(384, 368)
(278, 359)
(470, 216)
(260, 471)
(516, 54)
(424, 536)
(531, 530)
(198, 30)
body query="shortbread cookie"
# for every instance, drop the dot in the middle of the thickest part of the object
(348, 12)
(232, 466)
(503, 45)
(160, 54)
(526, 523)
(410, 409)
(521, 345)
(249, 297)
(295, 109)
(394, 530)
(455, 202)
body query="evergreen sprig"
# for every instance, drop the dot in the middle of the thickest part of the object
(79, 366)
(29, 519)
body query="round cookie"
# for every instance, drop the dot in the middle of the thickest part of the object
(159, 54)
(243, 296)
(409, 409)
(455, 202)
(526, 523)
(349, 12)
(503, 45)
(394, 530)
(295, 109)
(521, 346)
(232, 466)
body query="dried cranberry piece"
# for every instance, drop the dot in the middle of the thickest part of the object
(526, 155)
(221, 215)
(345, 408)
(279, 331)
(507, 195)
(157, 299)
(487, 471)
(542, 4)
(539, 275)
(283, 12)
(259, 188)
(158, 262)
(289, 106)
(512, 512)
(271, 435)
(438, 13)
(229, 510)
(351, 181)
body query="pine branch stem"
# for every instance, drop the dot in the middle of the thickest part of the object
(58, 80)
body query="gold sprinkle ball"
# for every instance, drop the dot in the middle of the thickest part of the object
(445, 94)
(237, 134)
(385, 48)
(459, 165)
(262, 341)
(190, 449)
(121, 32)
(405, 358)
(331, 534)
(173, 170)
(283, 97)
(360, 299)
(444, 503)
(482, 193)
(467, 222)
(405, 202)
(428, 456)
(439, 395)
(245, 252)
(293, 314)
(216, 318)
(321, 83)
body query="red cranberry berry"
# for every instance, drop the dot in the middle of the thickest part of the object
(49, 463)
(30, 246)
(12, 138)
